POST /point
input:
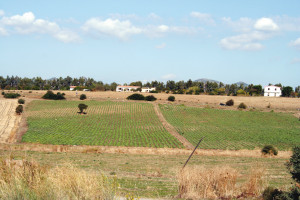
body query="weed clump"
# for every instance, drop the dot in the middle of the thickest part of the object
(242, 106)
(230, 102)
(269, 150)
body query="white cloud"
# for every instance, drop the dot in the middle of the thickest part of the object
(154, 16)
(244, 24)
(295, 61)
(112, 27)
(287, 23)
(266, 24)
(161, 46)
(296, 43)
(67, 36)
(168, 76)
(3, 31)
(203, 17)
(247, 41)
(27, 23)
(2, 13)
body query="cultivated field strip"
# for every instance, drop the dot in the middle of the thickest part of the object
(226, 129)
(8, 118)
(105, 124)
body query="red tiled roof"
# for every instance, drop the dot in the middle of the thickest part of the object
(128, 86)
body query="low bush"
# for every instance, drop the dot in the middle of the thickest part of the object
(51, 95)
(11, 95)
(82, 97)
(150, 98)
(19, 109)
(136, 97)
(269, 150)
(3, 93)
(230, 102)
(171, 98)
(242, 106)
(21, 101)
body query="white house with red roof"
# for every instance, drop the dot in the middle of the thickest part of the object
(125, 88)
(272, 91)
(72, 87)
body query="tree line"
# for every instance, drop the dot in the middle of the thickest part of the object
(179, 87)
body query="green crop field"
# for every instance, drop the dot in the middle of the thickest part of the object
(228, 129)
(106, 124)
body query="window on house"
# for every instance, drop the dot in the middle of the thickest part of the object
(275, 89)
(268, 88)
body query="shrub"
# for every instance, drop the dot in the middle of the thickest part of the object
(190, 92)
(3, 93)
(136, 97)
(153, 91)
(294, 164)
(82, 107)
(82, 97)
(21, 101)
(242, 106)
(150, 98)
(19, 109)
(171, 98)
(197, 92)
(51, 95)
(269, 149)
(11, 95)
(271, 193)
(230, 102)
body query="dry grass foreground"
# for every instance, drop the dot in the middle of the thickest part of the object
(8, 119)
(282, 104)
(197, 182)
(22, 179)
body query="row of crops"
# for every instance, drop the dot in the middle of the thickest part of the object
(106, 124)
(225, 129)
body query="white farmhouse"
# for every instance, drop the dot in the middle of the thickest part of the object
(148, 89)
(272, 91)
(72, 87)
(125, 88)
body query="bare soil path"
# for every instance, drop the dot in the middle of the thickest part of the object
(171, 129)
(8, 119)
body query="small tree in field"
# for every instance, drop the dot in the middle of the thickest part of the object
(82, 107)
(19, 109)
(171, 98)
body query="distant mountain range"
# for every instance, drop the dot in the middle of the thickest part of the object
(204, 80)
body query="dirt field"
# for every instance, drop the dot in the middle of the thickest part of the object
(281, 104)
(8, 119)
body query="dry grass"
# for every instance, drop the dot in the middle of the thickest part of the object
(197, 182)
(22, 179)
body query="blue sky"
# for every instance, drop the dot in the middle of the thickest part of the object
(123, 41)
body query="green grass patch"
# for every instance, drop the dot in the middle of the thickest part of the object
(105, 124)
(228, 129)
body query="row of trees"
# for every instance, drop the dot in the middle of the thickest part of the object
(180, 87)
